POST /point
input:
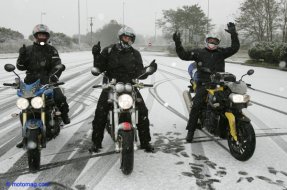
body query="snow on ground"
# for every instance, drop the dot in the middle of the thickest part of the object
(204, 164)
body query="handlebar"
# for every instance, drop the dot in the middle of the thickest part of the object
(97, 86)
(9, 84)
(58, 84)
(109, 85)
(148, 85)
(249, 86)
(52, 84)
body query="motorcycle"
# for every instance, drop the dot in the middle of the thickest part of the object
(222, 115)
(123, 117)
(39, 116)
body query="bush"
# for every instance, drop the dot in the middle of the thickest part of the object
(270, 52)
(12, 46)
(7, 35)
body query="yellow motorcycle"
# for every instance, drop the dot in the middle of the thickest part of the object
(222, 116)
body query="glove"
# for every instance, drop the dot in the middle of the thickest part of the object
(96, 49)
(176, 38)
(231, 28)
(153, 66)
(22, 52)
(54, 78)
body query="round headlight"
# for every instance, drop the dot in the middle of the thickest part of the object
(125, 101)
(128, 87)
(120, 87)
(37, 102)
(22, 103)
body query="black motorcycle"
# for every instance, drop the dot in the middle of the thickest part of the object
(123, 118)
(39, 116)
(222, 116)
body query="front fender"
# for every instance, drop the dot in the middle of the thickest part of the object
(32, 124)
(243, 118)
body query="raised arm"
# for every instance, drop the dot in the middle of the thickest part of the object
(235, 45)
(181, 52)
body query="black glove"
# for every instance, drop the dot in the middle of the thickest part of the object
(153, 66)
(231, 28)
(96, 49)
(22, 52)
(176, 38)
(54, 78)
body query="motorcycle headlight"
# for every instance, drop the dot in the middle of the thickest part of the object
(238, 98)
(22, 103)
(120, 87)
(37, 102)
(125, 101)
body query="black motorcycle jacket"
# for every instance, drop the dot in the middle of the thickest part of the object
(39, 62)
(212, 59)
(123, 64)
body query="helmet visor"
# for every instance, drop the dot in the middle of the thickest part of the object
(214, 41)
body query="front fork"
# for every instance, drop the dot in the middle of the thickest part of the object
(43, 118)
(42, 137)
(232, 122)
(232, 125)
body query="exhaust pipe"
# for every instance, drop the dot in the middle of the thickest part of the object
(188, 100)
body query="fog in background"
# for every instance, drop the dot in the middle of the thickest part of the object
(62, 15)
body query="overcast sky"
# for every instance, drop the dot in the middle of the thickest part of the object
(62, 15)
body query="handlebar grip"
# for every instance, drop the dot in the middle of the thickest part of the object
(59, 83)
(148, 85)
(97, 86)
(9, 84)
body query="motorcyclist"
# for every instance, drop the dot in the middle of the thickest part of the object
(124, 63)
(39, 61)
(212, 58)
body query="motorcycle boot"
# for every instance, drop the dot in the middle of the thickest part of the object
(147, 147)
(95, 148)
(20, 144)
(97, 138)
(65, 118)
(64, 109)
(189, 136)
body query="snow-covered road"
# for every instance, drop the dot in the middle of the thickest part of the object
(204, 164)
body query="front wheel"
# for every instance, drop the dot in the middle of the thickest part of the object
(126, 140)
(244, 148)
(34, 153)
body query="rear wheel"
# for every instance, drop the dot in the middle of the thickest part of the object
(34, 154)
(244, 148)
(126, 140)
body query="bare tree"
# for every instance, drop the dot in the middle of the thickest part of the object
(283, 19)
(271, 17)
(189, 20)
(259, 18)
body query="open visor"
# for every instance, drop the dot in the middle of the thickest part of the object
(214, 41)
